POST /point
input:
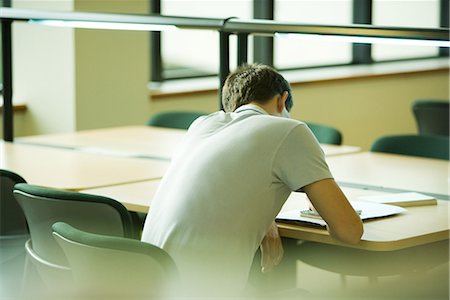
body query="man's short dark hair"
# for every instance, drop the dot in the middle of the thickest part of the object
(253, 82)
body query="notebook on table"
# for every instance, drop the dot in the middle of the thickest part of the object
(366, 210)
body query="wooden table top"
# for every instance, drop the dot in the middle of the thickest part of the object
(417, 226)
(75, 170)
(140, 141)
(401, 172)
(134, 196)
(152, 142)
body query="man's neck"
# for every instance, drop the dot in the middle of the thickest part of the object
(270, 107)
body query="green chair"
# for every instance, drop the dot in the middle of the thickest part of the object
(13, 235)
(43, 207)
(12, 218)
(325, 134)
(43, 278)
(113, 266)
(415, 145)
(432, 117)
(174, 119)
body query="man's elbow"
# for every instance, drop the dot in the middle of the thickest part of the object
(351, 234)
(355, 236)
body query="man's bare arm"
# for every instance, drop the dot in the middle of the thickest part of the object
(330, 202)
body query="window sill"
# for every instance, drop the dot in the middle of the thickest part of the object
(184, 87)
(16, 108)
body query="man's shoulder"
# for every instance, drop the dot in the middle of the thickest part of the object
(282, 122)
(219, 120)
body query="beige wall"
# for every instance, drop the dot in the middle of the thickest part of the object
(73, 79)
(43, 77)
(111, 78)
(111, 72)
(363, 109)
(43, 70)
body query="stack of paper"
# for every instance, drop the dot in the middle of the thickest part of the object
(367, 211)
(401, 199)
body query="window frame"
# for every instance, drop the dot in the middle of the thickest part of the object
(263, 51)
(4, 3)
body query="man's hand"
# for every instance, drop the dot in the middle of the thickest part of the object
(271, 249)
(327, 198)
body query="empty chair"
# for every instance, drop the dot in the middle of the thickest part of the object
(43, 207)
(432, 117)
(13, 235)
(325, 134)
(114, 266)
(51, 279)
(12, 218)
(415, 145)
(174, 119)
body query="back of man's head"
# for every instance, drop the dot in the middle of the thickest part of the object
(253, 83)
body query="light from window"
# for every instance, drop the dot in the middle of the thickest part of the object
(291, 53)
(404, 13)
(197, 51)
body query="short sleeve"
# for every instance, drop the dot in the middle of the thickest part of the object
(299, 159)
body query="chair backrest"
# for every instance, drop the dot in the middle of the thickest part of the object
(432, 117)
(325, 134)
(174, 119)
(53, 279)
(106, 265)
(415, 145)
(12, 218)
(43, 207)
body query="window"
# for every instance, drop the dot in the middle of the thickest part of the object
(296, 53)
(405, 13)
(3, 3)
(181, 60)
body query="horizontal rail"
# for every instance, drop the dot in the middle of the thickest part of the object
(269, 27)
(14, 14)
(232, 25)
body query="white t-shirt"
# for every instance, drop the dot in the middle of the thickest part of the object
(223, 189)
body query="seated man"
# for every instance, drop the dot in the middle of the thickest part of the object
(229, 179)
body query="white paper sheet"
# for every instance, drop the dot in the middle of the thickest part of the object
(368, 211)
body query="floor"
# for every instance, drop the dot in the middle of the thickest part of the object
(12, 258)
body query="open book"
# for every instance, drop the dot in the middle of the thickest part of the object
(366, 210)
(401, 199)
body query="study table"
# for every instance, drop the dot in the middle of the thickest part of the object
(403, 255)
(75, 170)
(385, 234)
(127, 179)
(419, 225)
(141, 141)
(391, 172)
(135, 141)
